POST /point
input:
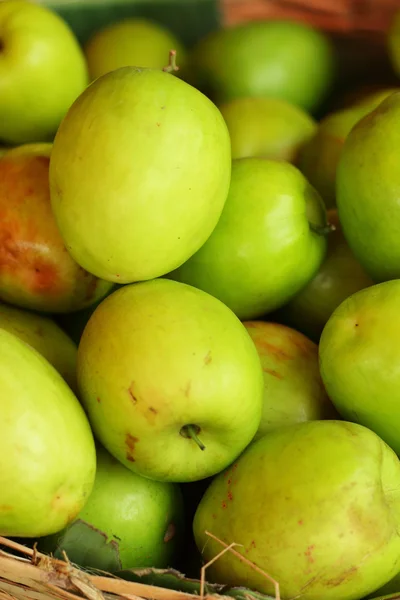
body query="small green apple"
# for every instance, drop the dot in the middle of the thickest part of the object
(339, 276)
(43, 334)
(359, 358)
(293, 388)
(36, 271)
(163, 152)
(315, 505)
(42, 71)
(267, 128)
(273, 58)
(141, 519)
(368, 180)
(134, 42)
(49, 458)
(265, 247)
(170, 379)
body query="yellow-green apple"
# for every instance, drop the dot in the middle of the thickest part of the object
(49, 463)
(170, 379)
(293, 388)
(315, 505)
(267, 127)
(42, 71)
(163, 151)
(360, 357)
(43, 334)
(136, 42)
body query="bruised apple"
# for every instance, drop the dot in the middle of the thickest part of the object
(36, 271)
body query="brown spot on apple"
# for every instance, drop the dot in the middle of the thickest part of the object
(130, 442)
(187, 389)
(170, 533)
(273, 373)
(5, 507)
(153, 410)
(230, 496)
(309, 553)
(131, 392)
(208, 358)
(224, 504)
(98, 399)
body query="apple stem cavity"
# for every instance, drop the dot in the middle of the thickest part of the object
(172, 66)
(322, 229)
(191, 432)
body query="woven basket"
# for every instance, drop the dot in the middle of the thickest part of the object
(352, 17)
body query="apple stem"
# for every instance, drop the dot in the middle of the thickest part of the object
(191, 431)
(322, 229)
(172, 66)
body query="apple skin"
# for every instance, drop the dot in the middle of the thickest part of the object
(339, 276)
(360, 357)
(135, 42)
(273, 59)
(43, 334)
(267, 128)
(262, 251)
(315, 505)
(293, 388)
(141, 519)
(165, 161)
(46, 480)
(157, 356)
(42, 71)
(36, 271)
(368, 180)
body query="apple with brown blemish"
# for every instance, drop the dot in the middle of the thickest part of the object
(36, 270)
(316, 505)
(170, 379)
(293, 388)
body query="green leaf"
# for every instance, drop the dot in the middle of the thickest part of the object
(84, 545)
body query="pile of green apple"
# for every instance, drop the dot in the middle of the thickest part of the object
(200, 304)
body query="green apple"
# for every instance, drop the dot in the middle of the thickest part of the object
(42, 71)
(267, 127)
(359, 357)
(49, 458)
(135, 42)
(275, 58)
(140, 522)
(339, 276)
(319, 156)
(265, 247)
(43, 334)
(315, 505)
(137, 189)
(368, 180)
(293, 389)
(36, 271)
(170, 379)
